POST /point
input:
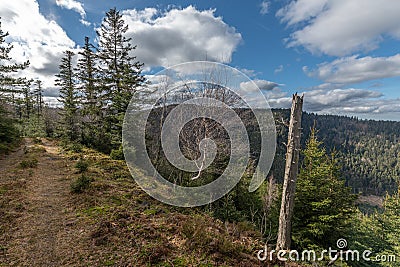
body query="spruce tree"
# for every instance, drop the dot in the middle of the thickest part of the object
(19, 99)
(121, 73)
(26, 101)
(92, 99)
(24, 107)
(8, 87)
(378, 232)
(390, 225)
(68, 97)
(38, 94)
(323, 204)
(8, 83)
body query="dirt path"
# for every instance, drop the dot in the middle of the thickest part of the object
(40, 234)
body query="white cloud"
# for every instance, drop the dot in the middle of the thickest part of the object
(72, 5)
(248, 72)
(354, 69)
(300, 10)
(341, 27)
(321, 99)
(381, 109)
(281, 101)
(271, 91)
(254, 85)
(325, 86)
(41, 44)
(318, 100)
(180, 35)
(75, 6)
(349, 101)
(264, 7)
(279, 69)
(85, 22)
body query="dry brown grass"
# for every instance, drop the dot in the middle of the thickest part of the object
(111, 223)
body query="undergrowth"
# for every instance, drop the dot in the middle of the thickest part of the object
(128, 227)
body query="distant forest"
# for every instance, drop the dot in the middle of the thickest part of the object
(368, 151)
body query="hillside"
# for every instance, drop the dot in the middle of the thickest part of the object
(64, 205)
(73, 206)
(367, 150)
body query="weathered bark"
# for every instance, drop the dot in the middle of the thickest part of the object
(290, 178)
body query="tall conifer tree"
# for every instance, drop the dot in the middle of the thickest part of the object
(323, 204)
(8, 83)
(92, 98)
(68, 97)
(121, 72)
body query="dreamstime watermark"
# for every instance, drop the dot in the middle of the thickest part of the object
(190, 91)
(340, 253)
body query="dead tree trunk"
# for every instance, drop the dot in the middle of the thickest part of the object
(291, 169)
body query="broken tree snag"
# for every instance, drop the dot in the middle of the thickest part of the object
(290, 178)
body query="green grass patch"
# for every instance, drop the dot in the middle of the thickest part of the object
(2, 190)
(150, 212)
(109, 263)
(97, 211)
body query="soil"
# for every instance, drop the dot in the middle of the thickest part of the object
(39, 209)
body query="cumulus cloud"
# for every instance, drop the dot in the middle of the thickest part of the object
(354, 69)
(248, 72)
(75, 6)
(42, 44)
(341, 27)
(322, 99)
(362, 103)
(254, 85)
(318, 100)
(271, 90)
(348, 101)
(264, 7)
(387, 106)
(300, 10)
(180, 35)
(380, 109)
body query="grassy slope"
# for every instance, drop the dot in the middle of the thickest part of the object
(110, 223)
(129, 228)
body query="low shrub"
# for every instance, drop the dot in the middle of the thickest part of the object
(28, 163)
(75, 147)
(82, 165)
(71, 146)
(80, 184)
(4, 148)
(117, 154)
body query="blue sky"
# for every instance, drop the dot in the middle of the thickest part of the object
(343, 54)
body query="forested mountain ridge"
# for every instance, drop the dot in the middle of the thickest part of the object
(368, 150)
